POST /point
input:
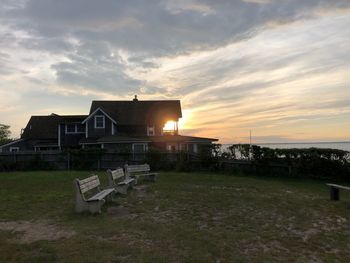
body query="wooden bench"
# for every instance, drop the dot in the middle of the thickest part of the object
(334, 190)
(96, 197)
(118, 181)
(137, 171)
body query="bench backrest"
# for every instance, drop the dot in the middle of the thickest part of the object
(116, 174)
(88, 184)
(137, 168)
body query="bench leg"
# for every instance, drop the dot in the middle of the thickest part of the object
(334, 193)
(136, 178)
(122, 189)
(81, 206)
(95, 207)
(150, 178)
(109, 198)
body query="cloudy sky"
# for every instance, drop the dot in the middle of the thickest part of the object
(280, 68)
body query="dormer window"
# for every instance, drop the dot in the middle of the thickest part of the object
(99, 121)
(150, 131)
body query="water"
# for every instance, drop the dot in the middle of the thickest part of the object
(330, 145)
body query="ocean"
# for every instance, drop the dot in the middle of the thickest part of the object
(330, 145)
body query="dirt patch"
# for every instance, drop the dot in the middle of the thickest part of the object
(141, 191)
(164, 217)
(129, 239)
(35, 231)
(121, 211)
(259, 246)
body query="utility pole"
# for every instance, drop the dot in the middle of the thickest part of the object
(250, 144)
(250, 138)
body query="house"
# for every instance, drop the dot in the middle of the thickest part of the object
(125, 126)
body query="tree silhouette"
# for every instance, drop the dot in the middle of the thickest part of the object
(4, 134)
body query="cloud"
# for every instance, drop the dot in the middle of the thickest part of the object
(235, 64)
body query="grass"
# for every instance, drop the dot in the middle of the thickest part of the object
(183, 217)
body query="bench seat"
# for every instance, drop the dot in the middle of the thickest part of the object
(127, 181)
(101, 195)
(339, 186)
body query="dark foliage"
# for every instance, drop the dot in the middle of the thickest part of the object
(5, 134)
(311, 162)
(159, 160)
(83, 159)
(33, 164)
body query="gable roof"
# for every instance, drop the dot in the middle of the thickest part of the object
(139, 112)
(46, 127)
(93, 113)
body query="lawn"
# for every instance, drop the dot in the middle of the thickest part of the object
(183, 217)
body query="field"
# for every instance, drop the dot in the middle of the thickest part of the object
(183, 217)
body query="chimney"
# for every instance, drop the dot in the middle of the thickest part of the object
(135, 99)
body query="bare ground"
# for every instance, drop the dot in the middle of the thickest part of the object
(29, 232)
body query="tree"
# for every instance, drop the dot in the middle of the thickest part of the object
(4, 134)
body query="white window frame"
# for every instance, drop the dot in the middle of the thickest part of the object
(75, 128)
(151, 131)
(14, 148)
(169, 147)
(95, 121)
(195, 148)
(145, 148)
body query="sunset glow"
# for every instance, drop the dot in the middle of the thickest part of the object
(170, 126)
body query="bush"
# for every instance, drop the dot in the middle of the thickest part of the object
(84, 159)
(311, 162)
(34, 164)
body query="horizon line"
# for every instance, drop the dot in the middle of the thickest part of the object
(266, 143)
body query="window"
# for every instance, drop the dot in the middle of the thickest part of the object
(183, 147)
(139, 147)
(75, 128)
(80, 128)
(99, 121)
(70, 128)
(171, 147)
(14, 149)
(150, 131)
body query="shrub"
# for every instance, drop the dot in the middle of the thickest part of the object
(84, 159)
(311, 162)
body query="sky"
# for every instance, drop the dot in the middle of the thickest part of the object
(277, 68)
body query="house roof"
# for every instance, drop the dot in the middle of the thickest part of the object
(72, 118)
(139, 112)
(46, 127)
(161, 139)
(95, 111)
(10, 143)
(113, 139)
(181, 138)
(122, 139)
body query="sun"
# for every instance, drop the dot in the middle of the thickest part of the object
(169, 126)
